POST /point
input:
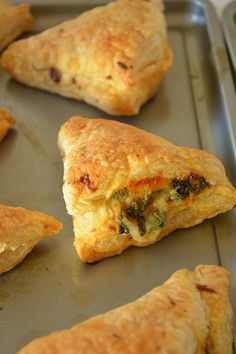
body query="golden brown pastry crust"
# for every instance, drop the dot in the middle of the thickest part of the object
(104, 156)
(112, 57)
(20, 230)
(171, 318)
(14, 20)
(6, 122)
(212, 282)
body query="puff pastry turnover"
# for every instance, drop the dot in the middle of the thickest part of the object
(189, 314)
(112, 57)
(6, 122)
(14, 20)
(20, 231)
(124, 186)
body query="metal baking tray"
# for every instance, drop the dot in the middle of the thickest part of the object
(51, 289)
(229, 27)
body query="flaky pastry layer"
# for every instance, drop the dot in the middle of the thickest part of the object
(112, 57)
(14, 20)
(124, 186)
(189, 314)
(20, 231)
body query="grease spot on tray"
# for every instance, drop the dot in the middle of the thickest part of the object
(30, 136)
(38, 201)
(3, 295)
(37, 262)
(24, 278)
(82, 297)
(79, 317)
(28, 337)
(221, 55)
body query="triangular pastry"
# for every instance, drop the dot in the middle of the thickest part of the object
(124, 186)
(14, 20)
(20, 231)
(6, 122)
(112, 57)
(189, 314)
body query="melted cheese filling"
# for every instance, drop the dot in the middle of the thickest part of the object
(143, 216)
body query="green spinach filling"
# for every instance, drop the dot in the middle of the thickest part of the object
(123, 229)
(144, 215)
(181, 188)
(136, 211)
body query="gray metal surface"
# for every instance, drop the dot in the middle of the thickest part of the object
(51, 289)
(229, 27)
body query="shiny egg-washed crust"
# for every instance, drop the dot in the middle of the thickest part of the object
(189, 314)
(6, 122)
(103, 156)
(14, 20)
(20, 231)
(112, 57)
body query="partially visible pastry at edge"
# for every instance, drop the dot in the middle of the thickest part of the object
(124, 186)
(20, 231)
(112, 57)
(14, 20)
(6, 122)
(189, 314)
